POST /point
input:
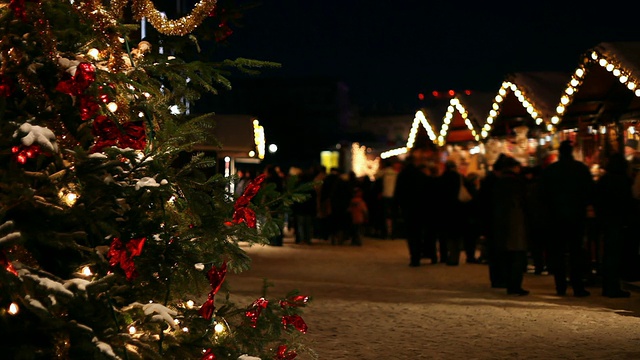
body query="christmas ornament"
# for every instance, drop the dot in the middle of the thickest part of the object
(108, 134)
(85, 75)
(5, 86)
(216, 277)
(122, 254)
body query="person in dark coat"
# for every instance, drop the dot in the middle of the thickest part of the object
(451, 212)
(304, 212)
(567, 187)
(613, 206)
(410, 194)
(509, 225)
(493, 255)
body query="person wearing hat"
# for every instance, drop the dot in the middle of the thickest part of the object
(567, 187)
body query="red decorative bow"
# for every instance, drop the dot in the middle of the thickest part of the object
(6, 264)
(108, 134)
(296, 321)
(85, 75)
(208, 355)
(295, 301)
(256, 309)
(216, 277)
(242, 212)
(283, 354)
(18, 8)
(122, 254)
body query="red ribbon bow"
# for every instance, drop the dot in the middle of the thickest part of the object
(242, 212)
(108, 134)
(122, 254)
(216, 277)
(208, 355)
(283, 354)
(296, 321)
(295, 301)
(85, 75)
(256, 309)
(6, 264)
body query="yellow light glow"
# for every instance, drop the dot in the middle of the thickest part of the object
(218, 328)
(94, 53)
(13, 309)
(190, 304)
(113, 107)
(259, 138)
(86, 271)
(132, 330)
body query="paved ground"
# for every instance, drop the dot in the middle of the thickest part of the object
(367, 303)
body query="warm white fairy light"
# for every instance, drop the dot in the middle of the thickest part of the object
(113, 107)
(499, 99)
(361, 164)
(13, 308)
(623, 75)
(218, 328)
(86, 271)
(185, 329)
(190, 304)
(132, 330)
(94, 53)
(67, 196)
(259, 138)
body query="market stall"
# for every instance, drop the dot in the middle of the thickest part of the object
(518, 123)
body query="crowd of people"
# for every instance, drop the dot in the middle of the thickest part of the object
(557, 219)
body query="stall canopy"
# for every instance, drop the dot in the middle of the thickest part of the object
(462, 121)
(524, 99)
(422, 133)
(240, 137)
(604, 87)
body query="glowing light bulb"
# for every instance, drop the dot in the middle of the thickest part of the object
(86, 271)
(132, 330)
(112, 106)
(190, 304)
(94, 53)
(218, 328)
(13, 309)
(185, 329)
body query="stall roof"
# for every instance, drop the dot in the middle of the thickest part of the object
(463, 119)
(421, 124)
(525, 98)
(237, 134)
(604, 87)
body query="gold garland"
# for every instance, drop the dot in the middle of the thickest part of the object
(181, 26)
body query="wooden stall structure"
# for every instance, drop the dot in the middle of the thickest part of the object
(459, 134)
(519, 121)
(600, 107)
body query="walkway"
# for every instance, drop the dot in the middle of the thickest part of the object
(368, 304)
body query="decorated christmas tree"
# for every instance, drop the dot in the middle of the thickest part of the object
(111, 248)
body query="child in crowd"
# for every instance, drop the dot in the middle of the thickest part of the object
(359, 216)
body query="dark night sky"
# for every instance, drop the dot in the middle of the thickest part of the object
(389, 51)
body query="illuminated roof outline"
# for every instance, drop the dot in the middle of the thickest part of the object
(419, 119)
(535, 92)
(621, 59)
(467, 110)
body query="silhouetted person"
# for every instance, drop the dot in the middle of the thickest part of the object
(410, 195)
(508, 222)
(613, 205)
(536, 219)
(568, 187)
(304, 212)
(471, 215)
(272, 177)
(451, 209)
(495, 256)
